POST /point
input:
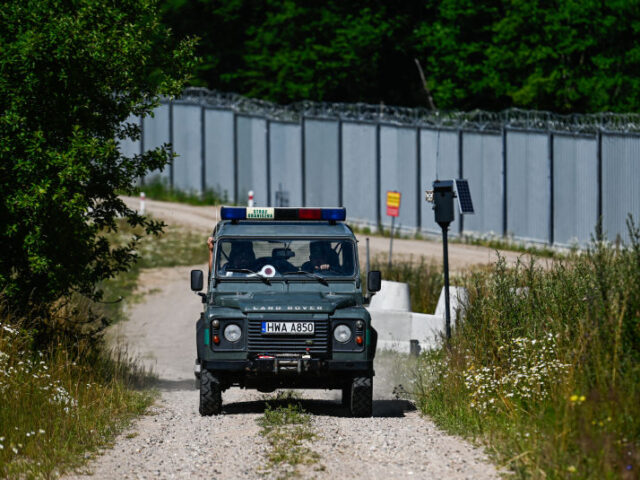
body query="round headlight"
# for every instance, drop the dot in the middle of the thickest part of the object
(232, 333)
(342, 333)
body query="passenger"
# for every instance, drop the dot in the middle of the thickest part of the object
(320, 256)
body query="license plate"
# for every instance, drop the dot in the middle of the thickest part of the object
(288, 328)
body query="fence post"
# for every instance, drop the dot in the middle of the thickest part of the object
(504, 182)
(235, 157)
(340, 179)
(141, 144)
(203, 156)
(418, 183)
(378, 182)
(460, 175)
(599, 220)
(551, 182)
(303, 149)
(268, 155)
(171, 150)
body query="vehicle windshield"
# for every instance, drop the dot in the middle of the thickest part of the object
(285, 258)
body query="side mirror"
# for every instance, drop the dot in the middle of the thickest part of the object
(197, 280)
(374, 281)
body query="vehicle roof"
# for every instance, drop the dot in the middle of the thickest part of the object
(263, 228)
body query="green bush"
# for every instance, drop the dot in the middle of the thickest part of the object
(546, 366)
(72, 75)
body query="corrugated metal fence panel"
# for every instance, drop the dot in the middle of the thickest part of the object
(156, 134)
(219, 152)
(528, 186)
(128, 147)
(187, 144)
(359, 172)
(438, 160)
(321, 163)
(620, 183)
(398, 171)
(286, 161)
(575, 189)
(482, 167)
(252, 159)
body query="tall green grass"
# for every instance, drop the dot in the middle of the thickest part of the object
(63, 392)
(61, 399)
(545, 368)
(160, 190)
(425, 279)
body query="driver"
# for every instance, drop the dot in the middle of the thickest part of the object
(241, 255)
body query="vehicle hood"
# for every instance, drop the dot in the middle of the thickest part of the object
(287, 303)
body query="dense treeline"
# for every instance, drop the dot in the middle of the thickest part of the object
(564, 56)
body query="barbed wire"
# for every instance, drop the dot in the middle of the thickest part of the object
(480, 120)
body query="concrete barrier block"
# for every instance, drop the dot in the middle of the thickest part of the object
(392, 296)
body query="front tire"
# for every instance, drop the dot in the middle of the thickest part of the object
(210, 394)
(361, 401)
(346, 396)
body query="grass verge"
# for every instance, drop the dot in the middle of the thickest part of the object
(60, 401)
(63, 392)
(288, 430)
(160, 190)
(545, 368)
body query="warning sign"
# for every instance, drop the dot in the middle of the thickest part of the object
(393, 203)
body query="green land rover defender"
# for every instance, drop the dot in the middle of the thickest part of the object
(284, 307)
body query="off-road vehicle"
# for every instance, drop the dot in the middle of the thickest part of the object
(284, 307)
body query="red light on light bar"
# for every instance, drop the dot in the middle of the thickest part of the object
(310, 214)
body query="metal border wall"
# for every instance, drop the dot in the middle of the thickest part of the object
(535, 176)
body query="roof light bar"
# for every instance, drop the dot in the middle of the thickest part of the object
(283, 214)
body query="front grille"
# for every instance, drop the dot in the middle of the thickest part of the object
(273, 344)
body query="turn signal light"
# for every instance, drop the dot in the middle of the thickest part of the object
(216, 339)
(359, 340)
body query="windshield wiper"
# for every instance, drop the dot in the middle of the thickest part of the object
(246, 270)
(322, 280)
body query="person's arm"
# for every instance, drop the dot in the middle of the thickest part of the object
(210, 245)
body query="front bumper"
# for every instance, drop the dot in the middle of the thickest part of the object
(284, 365)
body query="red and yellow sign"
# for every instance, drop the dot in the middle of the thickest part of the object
(393, 203)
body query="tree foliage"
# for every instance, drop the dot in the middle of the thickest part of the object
(564, 56)
(71, 73)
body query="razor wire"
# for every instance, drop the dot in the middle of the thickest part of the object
(480, 120)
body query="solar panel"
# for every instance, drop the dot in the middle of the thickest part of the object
(464, 197)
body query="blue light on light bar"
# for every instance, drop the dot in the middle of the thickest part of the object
(334, 214)
(233, 213)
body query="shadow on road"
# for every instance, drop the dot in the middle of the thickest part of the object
(332, 408)
(165, 385)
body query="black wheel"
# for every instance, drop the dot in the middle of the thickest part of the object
(361, 397)
(210, 394)
(346, 396)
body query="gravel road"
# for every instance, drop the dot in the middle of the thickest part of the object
(174, 441)
(461, 256)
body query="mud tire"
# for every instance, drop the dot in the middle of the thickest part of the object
(361, 401)
(210, 394)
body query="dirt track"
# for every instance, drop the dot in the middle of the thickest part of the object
(203, 219)
(176, 442)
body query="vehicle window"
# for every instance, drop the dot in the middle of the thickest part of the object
(273, 258)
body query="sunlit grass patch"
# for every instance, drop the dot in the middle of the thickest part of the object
(545, 368)
(61, 400)
(288, 430)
